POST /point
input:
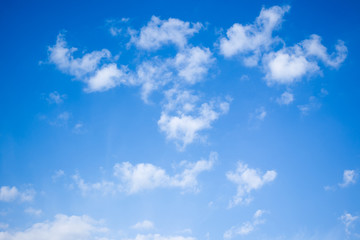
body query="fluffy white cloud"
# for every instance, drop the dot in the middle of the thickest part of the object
(193, 63)
(164, 32)
(159, 237)
(290, 64)
(182, 119)
(90, 68)
(348, 178)
(61, 228)
(348, 221)
(145, 176)
(287, 66)
(246, 227)
(250, 40)
(107, 77)
(9, 194)
(144, 225)
(132, 179)
(63, 58)
(286, 98)
(247, 180)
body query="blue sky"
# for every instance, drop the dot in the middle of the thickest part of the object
(179, 120)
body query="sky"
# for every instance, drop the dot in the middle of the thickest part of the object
(179, 120)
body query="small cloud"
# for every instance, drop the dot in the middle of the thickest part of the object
(144, 225)
(59, 173)
(349, 177)
(286, 98)
(79, 128)
(348, 221)
(323, 92)
(61, 119)
(33, 211)
(9, 194)
(56, 98)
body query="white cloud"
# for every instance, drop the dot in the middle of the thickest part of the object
(247, 180)
(9, 194)
(286, 98)
(61, 228)
(193, 63)
(348, 178)
(132, 179)
(290, 64)
(144, 225)
(58, 173)
(90, 68)
(348, 221)
(164, 32)
(145, 176)
(63, 58)
(56, 98)
(247, 227)
(159, 237)
(107, 77)
(250, 40)
(182, 119)
(33, 211)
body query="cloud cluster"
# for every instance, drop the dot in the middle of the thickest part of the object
(248, 179)
(132, 179)
(9, 194)
(348, 221)
(247, 227)
(159, 237)
(349, 177)
(256, 46)
(61, 228)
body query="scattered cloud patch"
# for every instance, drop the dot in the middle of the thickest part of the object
(248, 180)
(313, 104)
(158, 33)
(10, 194)
(251, 40)
(183, 118)
(348, 220)
(349, 178)
(247, 227)
(159, 237)
(132, 179)
(285, 99)
(61, 228)
(56, 98)
(144, 225)
(4, 225)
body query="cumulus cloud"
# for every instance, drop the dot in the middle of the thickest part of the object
(193, 63)
(144, 225)
(145, 176)
(247, 180)
(158, 33)
(132, 179)
(159, 237)
(251, 40)
(61, 228)
(349, 177)
(182, 118)
(91, 68)
(247, 227)
(290, 64)
(9, 194)
(348, 221)
(286, 98)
